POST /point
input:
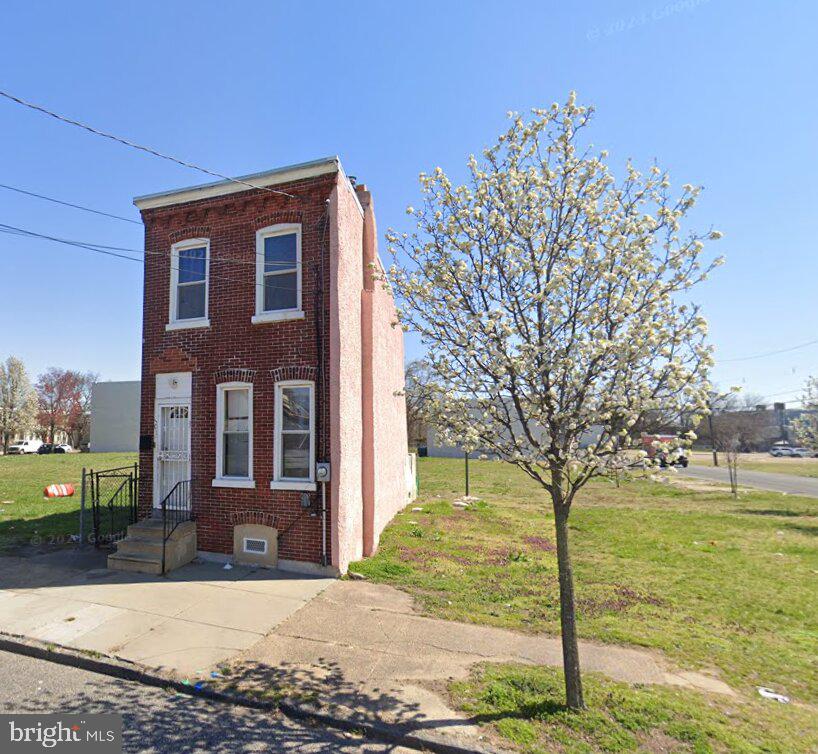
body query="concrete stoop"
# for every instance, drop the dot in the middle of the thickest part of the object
(141, 550)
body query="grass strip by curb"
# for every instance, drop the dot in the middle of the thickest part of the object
(342, 719)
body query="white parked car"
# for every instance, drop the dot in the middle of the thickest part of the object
(802, 453)
(24, 446)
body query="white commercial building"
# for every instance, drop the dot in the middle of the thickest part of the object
(115, 416)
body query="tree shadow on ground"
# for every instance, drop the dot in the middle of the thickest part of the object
(157, 720)
(783, 513)
(807, 529)
(324, 686)
(54, 529)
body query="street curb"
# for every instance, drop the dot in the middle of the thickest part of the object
(342, 718)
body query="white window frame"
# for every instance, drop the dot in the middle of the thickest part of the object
(261, 316)
(174, 323)
(280, 482)
(233, 481)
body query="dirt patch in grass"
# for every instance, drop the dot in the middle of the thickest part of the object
(408, 555)
(540, 543)
(659, 742)
(621, 599)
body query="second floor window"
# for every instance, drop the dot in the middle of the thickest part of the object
(278, 272)
(189, 262)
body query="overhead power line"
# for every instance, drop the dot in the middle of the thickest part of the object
(771, 353)
(14, 230)
(140, 147)
(784, 392)
(11, 230)
(113, 251)
(69, 204)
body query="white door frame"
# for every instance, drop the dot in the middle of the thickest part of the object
(172, 389)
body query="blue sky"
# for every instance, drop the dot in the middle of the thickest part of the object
(721, 92)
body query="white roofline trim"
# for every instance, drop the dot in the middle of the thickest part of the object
(220, 188)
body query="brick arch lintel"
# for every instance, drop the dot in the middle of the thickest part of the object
(192, 231)
(293, 373)
(277, 218)
(261, 518)
(234, 374)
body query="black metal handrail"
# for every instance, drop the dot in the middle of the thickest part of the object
(176, 509)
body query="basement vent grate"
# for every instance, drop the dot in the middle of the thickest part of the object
(255, 546)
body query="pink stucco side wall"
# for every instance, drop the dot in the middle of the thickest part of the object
(346, 270)
(390, 444)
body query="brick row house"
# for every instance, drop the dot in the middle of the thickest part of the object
(272, 411)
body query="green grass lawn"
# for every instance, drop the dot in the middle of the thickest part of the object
(26, 517)
(762, 462)
(521, 703)
(713, 582)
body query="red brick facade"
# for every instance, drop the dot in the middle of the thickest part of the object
(232, 348)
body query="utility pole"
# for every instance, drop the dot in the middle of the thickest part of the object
(467, 472)
(712, 437)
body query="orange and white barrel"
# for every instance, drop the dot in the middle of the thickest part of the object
(59, 490)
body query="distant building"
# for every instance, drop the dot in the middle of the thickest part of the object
(60, 437)
(115, 416)
(756, 429)
(436, 448)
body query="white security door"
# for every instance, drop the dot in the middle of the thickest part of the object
(172, 454)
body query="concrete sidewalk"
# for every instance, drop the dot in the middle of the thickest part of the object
(351, 646)
(187, 622)
(362, 646)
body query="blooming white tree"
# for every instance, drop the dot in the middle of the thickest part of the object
(18, 401)
(806, 425)
(553, 301)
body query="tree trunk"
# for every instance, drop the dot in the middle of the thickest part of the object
(568, 622)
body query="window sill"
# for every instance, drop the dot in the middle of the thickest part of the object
(260, 319)
(301, 486)
(248, 484)
(187, 324)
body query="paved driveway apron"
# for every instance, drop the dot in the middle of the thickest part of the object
(763, 480)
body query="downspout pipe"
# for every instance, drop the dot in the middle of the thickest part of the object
(369, 250)
(324, 524)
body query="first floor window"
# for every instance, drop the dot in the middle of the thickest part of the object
(295, 432)
(234, 450)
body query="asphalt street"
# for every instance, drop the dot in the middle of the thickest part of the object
(763, 480)
(158, 721)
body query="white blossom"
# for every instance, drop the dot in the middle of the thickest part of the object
(554, 301)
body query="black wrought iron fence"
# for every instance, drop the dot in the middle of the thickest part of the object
(112, 497)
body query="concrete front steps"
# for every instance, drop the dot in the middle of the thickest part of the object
(141, 550)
